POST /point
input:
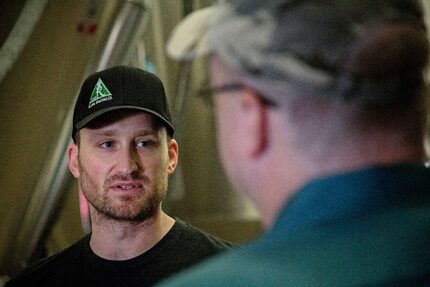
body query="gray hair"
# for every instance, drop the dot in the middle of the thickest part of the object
(369, 51)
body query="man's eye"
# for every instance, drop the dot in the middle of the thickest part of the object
(107, 144)
(145, 143)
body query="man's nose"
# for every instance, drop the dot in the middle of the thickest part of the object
(128, 161)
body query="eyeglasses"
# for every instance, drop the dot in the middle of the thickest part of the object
(206, 93)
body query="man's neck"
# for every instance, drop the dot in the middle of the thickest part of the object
(116, 240)
(282, 174)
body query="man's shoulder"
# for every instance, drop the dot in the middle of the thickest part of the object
(228, 269)
(44, 270)
(186, 232)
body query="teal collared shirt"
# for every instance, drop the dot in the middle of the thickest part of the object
(369, 227)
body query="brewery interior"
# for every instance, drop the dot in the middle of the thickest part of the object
(47, 48)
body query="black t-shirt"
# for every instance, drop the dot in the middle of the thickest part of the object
(183, 246)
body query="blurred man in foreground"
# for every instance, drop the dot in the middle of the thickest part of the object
(320, 111)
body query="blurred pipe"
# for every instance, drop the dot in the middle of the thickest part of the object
(45, 202)
(55, 179)
(177, 186)
(19, 34)
(181, 90)
(125, 35)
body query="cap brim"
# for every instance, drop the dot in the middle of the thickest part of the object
(189, 38)
(82, 123)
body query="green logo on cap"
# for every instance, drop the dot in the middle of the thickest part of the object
(100, 94)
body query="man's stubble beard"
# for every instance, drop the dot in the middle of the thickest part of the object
(127, 209)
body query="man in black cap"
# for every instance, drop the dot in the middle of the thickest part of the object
(320, 111)
(122, 156)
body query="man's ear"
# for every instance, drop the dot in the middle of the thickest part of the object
(254, 122)
(73, 152)
(173, 156)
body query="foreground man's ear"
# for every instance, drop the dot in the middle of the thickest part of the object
(254, 121)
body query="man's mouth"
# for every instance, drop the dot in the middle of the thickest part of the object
(128, 187)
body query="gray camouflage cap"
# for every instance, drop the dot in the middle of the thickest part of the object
(311, 47)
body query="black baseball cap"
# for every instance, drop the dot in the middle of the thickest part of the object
(121, 87)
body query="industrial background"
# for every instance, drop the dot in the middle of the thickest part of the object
(47, 48)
